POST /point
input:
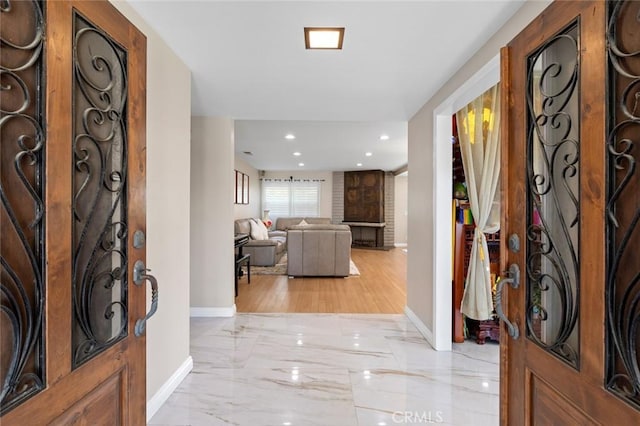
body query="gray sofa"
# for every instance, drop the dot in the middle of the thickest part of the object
(318, 250)
(263, 252)
(284, 223)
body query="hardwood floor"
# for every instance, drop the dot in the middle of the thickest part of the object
(380, 288)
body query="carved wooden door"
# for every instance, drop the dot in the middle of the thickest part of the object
(571, 86)
(72, 156)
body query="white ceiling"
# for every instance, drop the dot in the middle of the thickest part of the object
(248, 62)
(329, 146)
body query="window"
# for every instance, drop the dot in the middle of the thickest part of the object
(291, 198)
(275, 198)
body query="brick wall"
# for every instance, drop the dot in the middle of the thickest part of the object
(337, 214)
(389, 209)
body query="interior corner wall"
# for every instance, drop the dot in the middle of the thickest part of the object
(389, 209)
(212, 194)
(420, 267)
(253, 209)
(168, 191)
(400, 206)
(337, 208)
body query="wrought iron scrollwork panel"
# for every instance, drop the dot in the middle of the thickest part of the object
(22, 144)
(623, 201)
(553, 198)
(100, 191)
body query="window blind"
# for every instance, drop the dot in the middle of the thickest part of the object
(286, 198)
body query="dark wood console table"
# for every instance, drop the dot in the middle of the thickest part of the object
(239, 241)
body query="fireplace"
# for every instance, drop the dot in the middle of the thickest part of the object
(364, 207)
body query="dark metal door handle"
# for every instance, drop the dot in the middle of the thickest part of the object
(139, 276)
(512, 278)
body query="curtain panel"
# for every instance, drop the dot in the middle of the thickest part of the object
(478, 132)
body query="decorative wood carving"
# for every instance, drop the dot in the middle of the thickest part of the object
(364, 196)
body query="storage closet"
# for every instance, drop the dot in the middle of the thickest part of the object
(463, 234)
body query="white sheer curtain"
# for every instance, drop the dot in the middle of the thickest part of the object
(478, 131)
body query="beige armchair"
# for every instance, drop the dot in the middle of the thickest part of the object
(318, 250)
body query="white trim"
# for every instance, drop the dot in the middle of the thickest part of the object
(213, 312)
(165, 391)
(400, 244)
(422, 328)
(484, 79)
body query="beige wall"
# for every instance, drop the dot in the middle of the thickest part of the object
(421, 186)
(253, 209)
(168, 183)
(212, 186)
(400, 205)
(326, 190)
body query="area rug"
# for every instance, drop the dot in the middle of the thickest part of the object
(281, 268)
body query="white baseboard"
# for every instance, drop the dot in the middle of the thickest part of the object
(213, 312)
(422, 328)
(400, 244)
(156, 401)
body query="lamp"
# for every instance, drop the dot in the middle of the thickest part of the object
(469, 123)
(266, 219)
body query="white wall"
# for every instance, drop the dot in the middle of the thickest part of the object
(253, 209)
(326, 190)
(401, 209)
(421, 238)
(212, 192)
(168, 183)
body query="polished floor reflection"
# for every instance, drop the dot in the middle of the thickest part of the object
(328, 369)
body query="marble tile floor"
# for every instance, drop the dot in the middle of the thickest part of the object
(330, 369)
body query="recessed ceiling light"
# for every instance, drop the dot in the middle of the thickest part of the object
(323, 38)
(384, 137)
(301, 164)
(290, 136)
(368, 154)
(359, 164)
(297, 154)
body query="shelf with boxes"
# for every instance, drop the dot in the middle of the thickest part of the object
(464, 234)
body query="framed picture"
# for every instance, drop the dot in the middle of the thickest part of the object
(238, 193)
(242, 188)
(245, 189)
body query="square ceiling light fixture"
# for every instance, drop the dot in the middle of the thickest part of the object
(323, 38)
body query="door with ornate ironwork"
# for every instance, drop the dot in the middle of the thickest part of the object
(571, 191)
(72, 218)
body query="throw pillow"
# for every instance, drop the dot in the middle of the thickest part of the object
(257, 232)
(263, 229)
(303, 223)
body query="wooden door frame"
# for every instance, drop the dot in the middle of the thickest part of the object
(442, 260)
(524, 364)
(63, 382)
